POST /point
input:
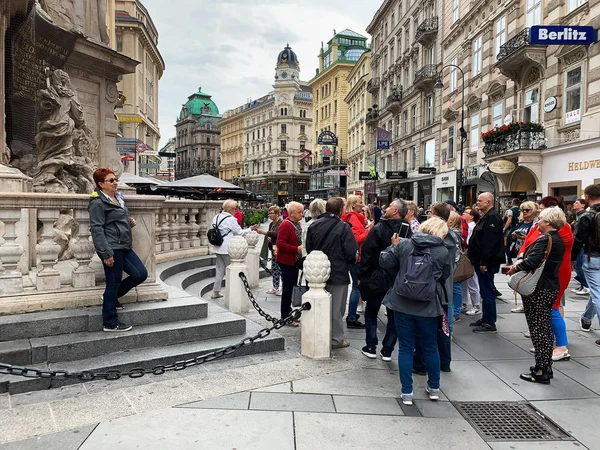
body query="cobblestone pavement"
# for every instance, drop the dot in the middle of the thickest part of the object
(284, 401)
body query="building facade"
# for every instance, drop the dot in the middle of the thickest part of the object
(136, 36)
(360, 135)
(167, 161)
(277, 131)
(330, 113)
(232, 144)
(197, 141)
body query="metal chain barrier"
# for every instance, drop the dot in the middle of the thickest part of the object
(258, 309)
(114, 374)
(263, 263)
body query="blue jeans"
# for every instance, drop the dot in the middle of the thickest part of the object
(488, 297)
(559, 329)
(457, 298)
(116, 287)
(591, 270)
(444, 344)
(372, 307)
(579, 269)
(354, 295)
(426, 327)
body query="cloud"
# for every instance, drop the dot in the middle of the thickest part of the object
(230, 47)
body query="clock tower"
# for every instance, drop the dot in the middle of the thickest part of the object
(287, 71)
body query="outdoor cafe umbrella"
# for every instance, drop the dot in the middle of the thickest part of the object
(205, 185)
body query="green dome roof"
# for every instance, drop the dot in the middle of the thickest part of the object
(199, 104)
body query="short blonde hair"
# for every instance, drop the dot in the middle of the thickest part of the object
(230, 204)
(435, 227)
(553, 216)
(412, 206)
(317, 207)
(351, 201)
(275, 209)
(533, 206)
(454, 221)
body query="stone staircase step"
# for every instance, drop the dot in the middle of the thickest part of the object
(73, 346)
(143, 357)
(79, 320)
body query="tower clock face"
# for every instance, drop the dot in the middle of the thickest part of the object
(284, 75)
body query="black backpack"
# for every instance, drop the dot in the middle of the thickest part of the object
(415, 278)
(214, 234)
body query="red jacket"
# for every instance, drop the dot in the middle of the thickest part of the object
(357, 221)
(564, 273)
(287, 243)
(239, 216)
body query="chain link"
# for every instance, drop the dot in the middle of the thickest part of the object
(263, 263)
(114, 374)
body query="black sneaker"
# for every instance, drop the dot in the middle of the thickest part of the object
(485, 328)
(445, 369)
(584, 325)
(386, 355)
(120, 306)
(118, 327)
(369, 352)
(497, 293)
(354, 324)
(550, 371)
(477, 323)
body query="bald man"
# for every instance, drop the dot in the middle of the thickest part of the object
(486, 252)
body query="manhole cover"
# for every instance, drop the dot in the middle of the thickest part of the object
(510, 421)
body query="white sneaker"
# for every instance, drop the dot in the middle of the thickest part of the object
(576, 291)
(407, 399)
(583, 291)
(518, 309)
(271, 291)
(434, 394)
(473, 311)
(278, 292)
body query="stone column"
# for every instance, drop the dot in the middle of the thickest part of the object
(252, 259)
(11, 280)
(173, 228)
(183, 229)
(83, 275)
(48, 278)
(236, 299)
(316, 323)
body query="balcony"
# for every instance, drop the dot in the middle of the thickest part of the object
(513, 141)
(517, 55)
(372, 117)
(425, 77)
(426, 31)
(394, 100)
(373, 85)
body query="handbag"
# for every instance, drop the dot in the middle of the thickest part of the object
(298, 291)
(524, 283)
(464, 269)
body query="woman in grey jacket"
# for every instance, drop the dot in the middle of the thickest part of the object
(110, 225)
(419, 315)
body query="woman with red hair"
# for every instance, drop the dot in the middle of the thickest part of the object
(110, 225)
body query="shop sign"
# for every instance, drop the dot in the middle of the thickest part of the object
(128, 118)
(326, 160)
(427, 170)
(550, 104)
(327, 138)
(335, 172)
(573, 116)
(366, 176)
(584, 165)
(560, 35)
(502, 166)
(328, 185)
(471, 172)
(396, 175)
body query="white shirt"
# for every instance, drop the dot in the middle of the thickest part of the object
(229, 227)
(471, 228)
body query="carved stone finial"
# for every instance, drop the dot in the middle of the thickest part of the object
(238, 248)
(317, 268)
(252, 238)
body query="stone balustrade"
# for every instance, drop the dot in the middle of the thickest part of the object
(32, 278)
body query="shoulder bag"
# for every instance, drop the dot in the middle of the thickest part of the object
(298, 291)
(523, 282)
(464, 269)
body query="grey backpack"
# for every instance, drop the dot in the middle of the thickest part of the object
(415, 278)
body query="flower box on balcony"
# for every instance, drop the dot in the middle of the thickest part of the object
(512, 137)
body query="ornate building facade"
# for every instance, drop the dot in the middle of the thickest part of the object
(197, 142)
(277, 129)
(137, 37)
(232, 144)
(330, 112)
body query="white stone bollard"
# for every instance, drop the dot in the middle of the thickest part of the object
(316, 322)
(236, 299)
(252, 258)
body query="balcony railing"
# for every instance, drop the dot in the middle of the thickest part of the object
(394, 100)
(519, 140)
(515, 43)
(373, 85)
(426, 74)
(426, 30)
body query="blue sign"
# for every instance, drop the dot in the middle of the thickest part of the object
(327, 138)
(561, 35)
(383, 145)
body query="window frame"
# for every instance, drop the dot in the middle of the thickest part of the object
(477, 55)
(453, 82)
(532, 13)
(499, 35)
(451, 136)
(455, 11)
(474, 133)
(580, 86)
(497, 120)
(534, 105)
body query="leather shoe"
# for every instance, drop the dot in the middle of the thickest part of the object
(354, 324)
(342, 344)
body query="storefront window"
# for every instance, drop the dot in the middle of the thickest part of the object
(531, 112)
(573, 96)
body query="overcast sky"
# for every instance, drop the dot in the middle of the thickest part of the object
(230, 47)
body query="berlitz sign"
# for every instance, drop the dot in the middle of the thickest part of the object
(559, 35)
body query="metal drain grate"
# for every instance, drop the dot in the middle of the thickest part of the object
(510, 421)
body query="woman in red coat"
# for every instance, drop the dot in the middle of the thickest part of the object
(559, 327)
(353, 215)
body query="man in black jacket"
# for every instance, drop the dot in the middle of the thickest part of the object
(374, 283)
(334, 238)
(486, 252)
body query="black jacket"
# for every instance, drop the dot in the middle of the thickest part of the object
(486, 246)
(334, 238)
(533, 259)
(585, 234)
(372, 278)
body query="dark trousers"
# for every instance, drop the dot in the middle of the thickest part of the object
(488, 296)
(289, 277)
(373, 305)
(538, 313)
(116, 287)
(444, 346)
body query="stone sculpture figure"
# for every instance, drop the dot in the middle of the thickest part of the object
(61, 168)
(87, 17)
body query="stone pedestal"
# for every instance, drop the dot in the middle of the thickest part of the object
(252, 259)
(236, 299)
(316, 322)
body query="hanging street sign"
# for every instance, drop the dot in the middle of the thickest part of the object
(327, 138)
(426, 169)
(366, 176)
(129, 118)
(396, 175)
(140, 147)
(561, 35)
(336, 172)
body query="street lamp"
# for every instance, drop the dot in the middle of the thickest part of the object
(463, 133)
(362, 143)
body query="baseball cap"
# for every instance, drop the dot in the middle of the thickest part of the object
(451, 203)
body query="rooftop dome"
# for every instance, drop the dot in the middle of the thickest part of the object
(287, 56)
(199, 104)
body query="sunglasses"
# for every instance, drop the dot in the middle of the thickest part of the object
(469, 213)
(111, 180)
(525, 210)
